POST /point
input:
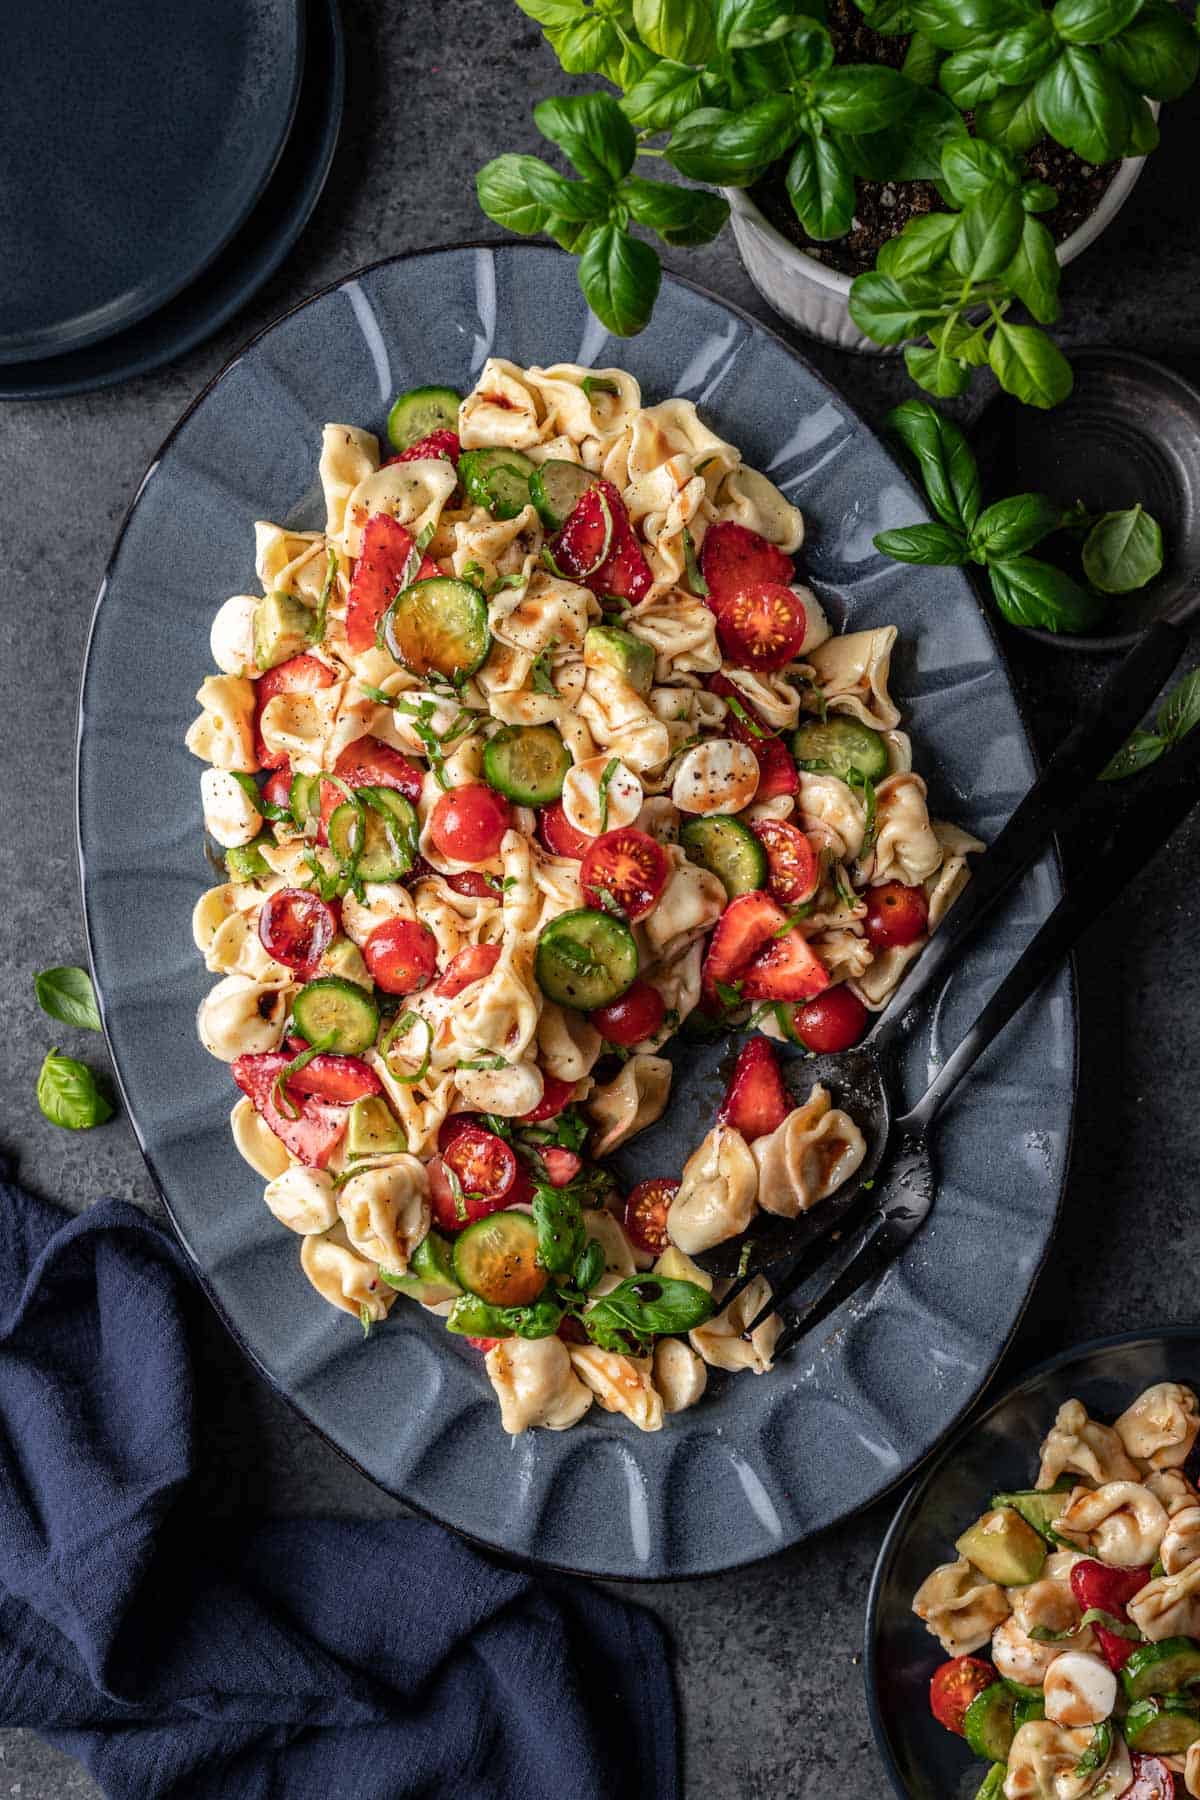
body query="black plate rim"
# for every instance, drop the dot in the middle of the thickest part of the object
(1183, 608)
(199, 1274)
(1117, 1340)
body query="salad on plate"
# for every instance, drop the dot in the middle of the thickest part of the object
(536, 754)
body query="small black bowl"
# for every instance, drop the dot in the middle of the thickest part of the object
(996, 1451)
(1129, 431)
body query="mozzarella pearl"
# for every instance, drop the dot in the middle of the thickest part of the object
(1080, 1689)
(718, 777)
(230, 815)
(581, 796)
(231, 637)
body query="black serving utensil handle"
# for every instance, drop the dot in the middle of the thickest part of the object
(1046, 809)
(1156, 805)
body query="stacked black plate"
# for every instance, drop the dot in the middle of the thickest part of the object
(160, 162)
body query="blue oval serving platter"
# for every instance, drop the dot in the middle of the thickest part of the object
(995, 1452)
(762, 1462)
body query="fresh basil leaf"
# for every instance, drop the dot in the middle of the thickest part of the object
(1082, 103)
(1143, 128)
(970, 168)
(1123, 551)
(505, 194)
(1022, 55)
(667, 93)
(1011, 119)
(695, 578)
(946, 461)
(1157, 54)
(1092, 21)
(560, 1228)
(922, 60)
(1138, 751)
(957, 24)
(739, 24)
(1096, 1615)
(937, 545)
(1180, 711)
(923, 243)
(1010, 527)
(570, 235)
(648, 1306)
(1027, 364)
(821, 188)
(1034, 593)
(728, 148)
(988, 232)
(890, 18)
(1098, 1752)
(937, 370)
(620, 279)
(553, 15)
(589, 1267)
(912, 150)
(969, 76)
(588, 45)
(785, 62)
(472, 1317)
(680, 215)
(1034, 273)
(68, 1095)
(1038, 196)
(564, 200)
(891, 311)
(592, 132)
(966, 343)
(67, 995)
(678, 29)
(860, 96)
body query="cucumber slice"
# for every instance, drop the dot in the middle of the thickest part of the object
(988, 1723)
(247, 862)
(496, 1258)
(438, 626)
(1039, 1509)
(304, 800)
(1161, 1727)
(730, 849)
(497, 479)
(556, 488)
(527, 763)
(1161, 1668)
(422, 410)
(339, 1015)
(388, 826)
(585, 959)
(430, 1278)
(840, 746)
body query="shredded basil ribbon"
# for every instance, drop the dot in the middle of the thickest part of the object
(610, 769)
(403, 1023)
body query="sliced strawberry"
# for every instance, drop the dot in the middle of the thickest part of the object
(1098, 1587)
(278, 789)
(338, 1079)
(369, 762)
(788, 969)
(744, 927)
(733, 557)
(465, 967)
(439, 443)
(776, 769)
(378, 576)
(315, 1133)
(756, 1100)
(599, 547)
(555, 1093)
(562, 1166)
(301, 674)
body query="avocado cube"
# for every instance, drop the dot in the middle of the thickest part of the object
(1041, 1510)
(281, 627)
(246, 862)
(1004, 1548)
(371, 1129)
(608, 647)
(344, 958)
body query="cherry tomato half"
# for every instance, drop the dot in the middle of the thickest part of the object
(626, 868)
(562, 1166)
(633, 1017)
(792, 867)
(469, 965)
(555, 1093)
(559, 835)
(278, 790)
(475, 1175)
(468, 823)
(896, 915)
(834, 1021)
(762, 627)
(401, 955)
(953, 1687)
(473, 885)
(646, 1214)
(295, 927)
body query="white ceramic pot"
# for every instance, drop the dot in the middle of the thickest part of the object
(815, 298)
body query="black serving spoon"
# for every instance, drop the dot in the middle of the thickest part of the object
(847, 1239)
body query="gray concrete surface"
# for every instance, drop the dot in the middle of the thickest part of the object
(767, 1660)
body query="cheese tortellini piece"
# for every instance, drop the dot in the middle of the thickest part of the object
(344, 1278)
(718, 1194)
(223, 735)
(679, 1374)
(240, 1017)
(722, 1340)
(633, 1099)
(1168, 1606)
(960, 1607)
(1077, 1445)
(1160, 1427)
(303, 1199)
(621, 1384)
(386, 1212)
(1120, 1523)
(1045, 1760)
(535, 1384)
(808, 1156)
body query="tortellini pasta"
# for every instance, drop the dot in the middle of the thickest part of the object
(633, 1099)
(620, 1383)
(385, 1211)
(722, 1341)
(1121, 1523)
(959, 1607)
(1078, 1445)
(718, 1194)
(808, 1156)
(344, 1278)
(1160, 1427)
(536, 1384)
(223, 735)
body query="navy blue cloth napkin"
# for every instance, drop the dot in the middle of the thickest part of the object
(307, 1658)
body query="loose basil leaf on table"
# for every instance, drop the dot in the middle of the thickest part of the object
(1036, 594)
(1178, 714)
(1010, 527)
(68, 996)
(68, 1095)
(937, 545)
(1123, 551)
(944, 458)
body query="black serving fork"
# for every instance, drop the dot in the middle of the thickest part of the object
(825, 1255)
